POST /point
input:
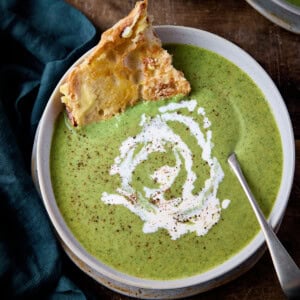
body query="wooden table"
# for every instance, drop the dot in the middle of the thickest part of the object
(278, 51)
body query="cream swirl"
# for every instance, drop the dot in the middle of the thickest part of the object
(187, 212)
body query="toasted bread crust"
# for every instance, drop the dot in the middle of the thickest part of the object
(128, 64)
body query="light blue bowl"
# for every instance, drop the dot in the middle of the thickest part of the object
(280, 12)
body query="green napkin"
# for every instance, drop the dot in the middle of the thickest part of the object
(39, 40)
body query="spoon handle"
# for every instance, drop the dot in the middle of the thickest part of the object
(287, 271)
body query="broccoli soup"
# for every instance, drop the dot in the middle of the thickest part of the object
(150, 193)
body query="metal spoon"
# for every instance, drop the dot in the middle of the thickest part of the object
(287, 271)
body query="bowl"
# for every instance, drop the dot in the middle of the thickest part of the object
(230, 269)
(281, 12)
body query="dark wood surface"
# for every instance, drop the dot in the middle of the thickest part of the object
(278, 51)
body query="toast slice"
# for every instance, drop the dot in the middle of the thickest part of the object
(127, 65)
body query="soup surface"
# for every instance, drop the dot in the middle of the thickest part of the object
(294, 2)
(97, 169)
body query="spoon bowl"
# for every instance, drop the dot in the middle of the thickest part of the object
(287, 271)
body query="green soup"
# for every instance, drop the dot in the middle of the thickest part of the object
(294, 2)
(239, 119)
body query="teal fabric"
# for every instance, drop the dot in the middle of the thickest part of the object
(39, 40)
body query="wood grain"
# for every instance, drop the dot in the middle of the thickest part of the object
(278, 51)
